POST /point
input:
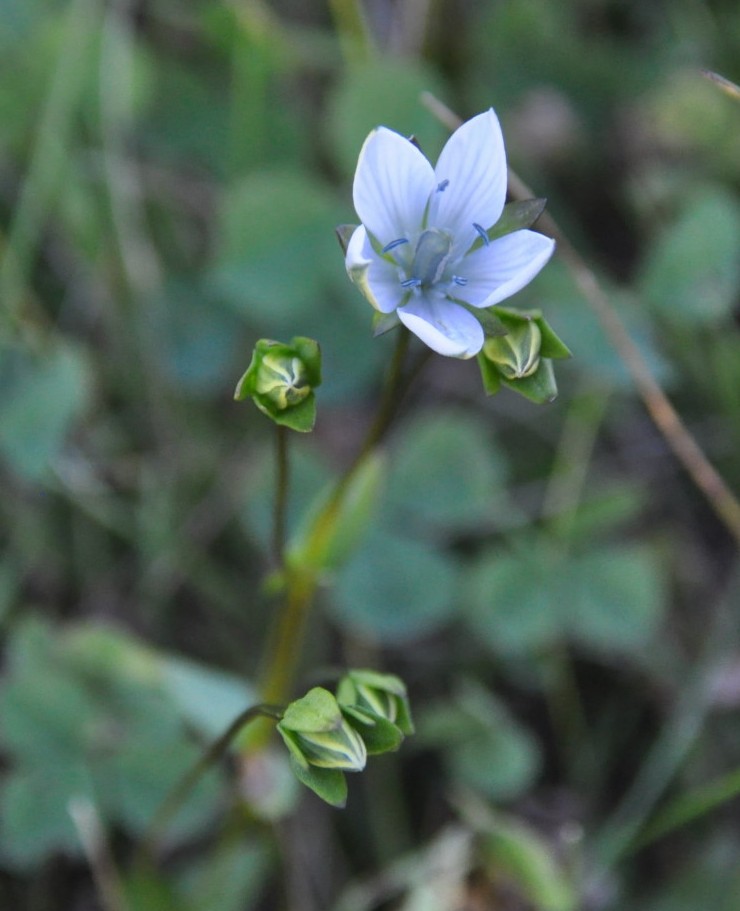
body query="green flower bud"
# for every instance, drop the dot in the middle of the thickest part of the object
(379, 695)
(280, 380)
(519, 355)
(283, 380)
(516, 354)
(317, 734)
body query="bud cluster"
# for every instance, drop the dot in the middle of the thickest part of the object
(328, 735)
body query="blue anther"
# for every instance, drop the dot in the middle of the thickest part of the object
(459, 280)
(442, 185)
(395, 243)
(411, 283)
(483, 234)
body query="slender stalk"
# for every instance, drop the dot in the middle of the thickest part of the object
(281, 494)
(301, 582)
(691, 806)
(179, 794)
(664, 415)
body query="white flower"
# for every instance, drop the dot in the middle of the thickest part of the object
(416, 252)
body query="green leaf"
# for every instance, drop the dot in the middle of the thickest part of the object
(329, 784)
(43, 394)
(483, 747)
(445, 471)
(396, 590)
(511, 849)
(692, 273)
(383, 92)
(34, 816)
(613, 599)
(509, 602)
(276, 255)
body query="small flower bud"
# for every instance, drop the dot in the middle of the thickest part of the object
(317, 734)
(516, 354)
(381, 695)
(281, 379)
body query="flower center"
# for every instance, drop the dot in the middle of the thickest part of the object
(430, 260)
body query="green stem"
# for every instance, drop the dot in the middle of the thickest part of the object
(301, 582)
(691, 806)
(281, 494)
(179, 794)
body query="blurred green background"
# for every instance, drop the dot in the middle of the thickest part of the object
(560, 599)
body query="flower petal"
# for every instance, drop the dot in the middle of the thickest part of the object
(496, 272)
(377, 279)
(444, 326)
(392, 184)
(474, 163)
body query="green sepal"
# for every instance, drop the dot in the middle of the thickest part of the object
(344, 233)
(333, 526)
(328, 784)
(379, 734)
(300, 417)
(489, 374)
(551, 345)
(317, 734)
(522, 213)
(492, 325)
(384, 322)
(540, 387)
(377, 694)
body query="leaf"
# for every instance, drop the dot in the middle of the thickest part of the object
(508, 601)
(613, 599)
(396, 590)
(517, 852)
(692, 273)
(276, 254)
(43, 394)
(445, 470)
(383, 92)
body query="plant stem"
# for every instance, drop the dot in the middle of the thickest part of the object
(281, 494)
(177, 796)
(664, 415)
(301, 582)
(691, 806)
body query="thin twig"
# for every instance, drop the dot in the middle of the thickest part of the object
(664, 415)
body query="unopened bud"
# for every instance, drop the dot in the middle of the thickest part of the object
(317, 734)
(382, 695)
(516, 354)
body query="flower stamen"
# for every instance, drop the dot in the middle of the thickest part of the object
(442, 185)
(411, 283)
(483, 233)
(459, 280)
(395, 243)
